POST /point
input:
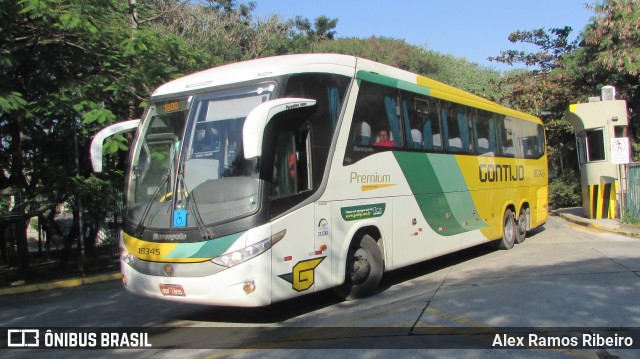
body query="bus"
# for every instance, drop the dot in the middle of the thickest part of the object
(260, 181)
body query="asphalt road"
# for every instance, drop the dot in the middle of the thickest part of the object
(560, 277)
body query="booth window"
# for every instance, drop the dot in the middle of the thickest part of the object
(620, 131)
(595, 145)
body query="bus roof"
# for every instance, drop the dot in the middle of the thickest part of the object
(260, 68)
(330, 63)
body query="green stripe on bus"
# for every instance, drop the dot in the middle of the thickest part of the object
(208, 249)
(440, 191)
(392, 82)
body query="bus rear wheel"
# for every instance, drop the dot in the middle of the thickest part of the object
(508, 230)
(364, 269)
(521, 225)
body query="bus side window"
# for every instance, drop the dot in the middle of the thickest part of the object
(506, 135)
(292, 163)
(531, 139)
(485, 133)
(421, 122)
(376, 124)
(456, 123)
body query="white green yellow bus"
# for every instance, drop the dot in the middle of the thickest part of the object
(259, 181)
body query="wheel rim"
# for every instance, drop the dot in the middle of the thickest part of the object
(360, 267)
(509, 229)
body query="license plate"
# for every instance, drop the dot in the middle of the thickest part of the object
(174, 290)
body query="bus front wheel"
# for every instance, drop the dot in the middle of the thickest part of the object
(508, 230)
(364, 269)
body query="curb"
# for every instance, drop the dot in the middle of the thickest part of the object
(66, 283)
(585, 223)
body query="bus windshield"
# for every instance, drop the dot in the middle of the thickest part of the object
(193, 164)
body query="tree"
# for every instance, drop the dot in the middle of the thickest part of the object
(568, 71)
(46, 53)
(398, 53)
(322, 28)
(69, 68)
(553, 45)
(612, 53)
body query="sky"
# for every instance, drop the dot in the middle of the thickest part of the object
(470, 29)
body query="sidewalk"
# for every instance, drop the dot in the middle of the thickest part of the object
(576, 216)
(65, 283)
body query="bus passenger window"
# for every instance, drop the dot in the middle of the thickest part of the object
(421, 122)
(376, 122)
(361, 134)
(530, 139)
(485, 134)
(456, 120)
(506, 135)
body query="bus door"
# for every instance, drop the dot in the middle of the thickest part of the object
(297, 258)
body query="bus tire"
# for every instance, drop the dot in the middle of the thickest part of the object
(521, 226)
(508, 230)
(364, 269)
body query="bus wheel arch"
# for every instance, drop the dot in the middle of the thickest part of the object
(364, 265)
(523, 223)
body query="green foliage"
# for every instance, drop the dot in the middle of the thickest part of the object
(554, 44)
(445, 68)
(11, 102)
(99, 196)
(568, 70)
(565, 191)
(615, 34)
(71, 67)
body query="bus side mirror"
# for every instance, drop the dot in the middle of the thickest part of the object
(259, 117)
(98, 139)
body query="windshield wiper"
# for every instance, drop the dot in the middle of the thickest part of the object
(147, 208)
(193, 207)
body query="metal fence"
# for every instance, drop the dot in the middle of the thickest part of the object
(632, 190)
(18, 204)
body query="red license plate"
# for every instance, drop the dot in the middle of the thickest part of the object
(174, 290)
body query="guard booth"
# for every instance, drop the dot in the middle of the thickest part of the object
(603, 146)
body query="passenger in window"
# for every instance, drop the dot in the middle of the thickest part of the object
(384, 139)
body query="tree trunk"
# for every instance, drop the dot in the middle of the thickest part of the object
(20, 231)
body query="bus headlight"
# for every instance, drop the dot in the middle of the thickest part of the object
(125, 256)
(243, 255)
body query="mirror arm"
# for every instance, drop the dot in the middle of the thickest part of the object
(259, 117)
(98, 140)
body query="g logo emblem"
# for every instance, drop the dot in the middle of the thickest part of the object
(302, 277)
